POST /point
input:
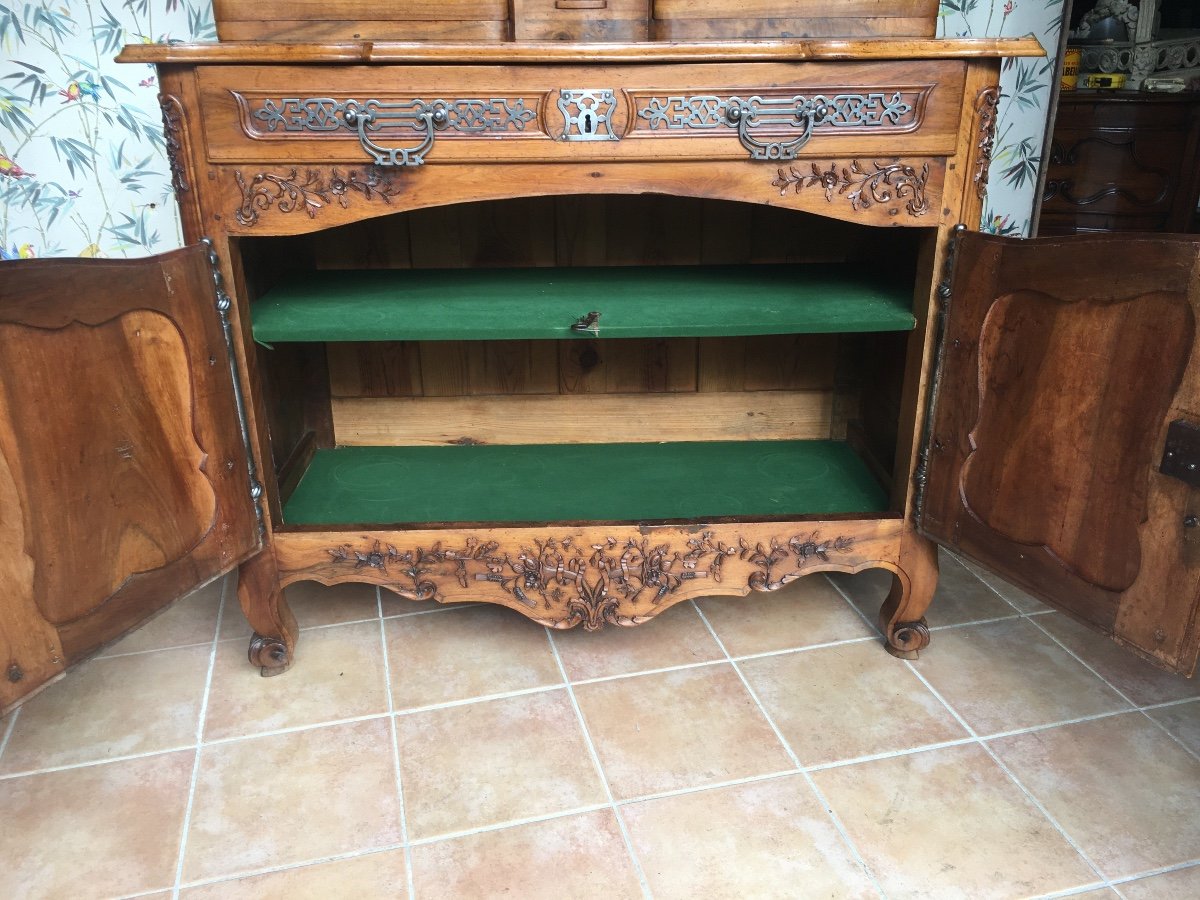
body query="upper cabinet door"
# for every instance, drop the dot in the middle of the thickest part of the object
(123, 475)
(1065, 362)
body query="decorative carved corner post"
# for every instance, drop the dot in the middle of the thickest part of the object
(175, 138)
(273, 644)
(902, 616)
(985, 125)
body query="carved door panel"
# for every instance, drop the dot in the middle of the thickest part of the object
(123, 475)
(1065, 362)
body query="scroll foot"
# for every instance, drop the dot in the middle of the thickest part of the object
(902, 616)
(272, 647)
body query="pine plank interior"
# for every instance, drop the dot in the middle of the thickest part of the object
(543, 303)
(599, 482)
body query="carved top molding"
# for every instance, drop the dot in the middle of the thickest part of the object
(391, 52)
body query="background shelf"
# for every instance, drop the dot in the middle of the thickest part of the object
(579, 482)
(542, 303)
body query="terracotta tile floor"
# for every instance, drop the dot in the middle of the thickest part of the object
(765, 747)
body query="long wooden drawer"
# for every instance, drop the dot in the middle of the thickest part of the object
(409, 115)
(373, 20)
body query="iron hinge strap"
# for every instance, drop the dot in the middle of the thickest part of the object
(223, 305)
(944, 296)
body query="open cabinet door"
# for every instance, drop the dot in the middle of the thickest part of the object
(1064, 445)
(123, 469)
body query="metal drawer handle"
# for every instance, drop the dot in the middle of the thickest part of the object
(424, 118)
(799, 112)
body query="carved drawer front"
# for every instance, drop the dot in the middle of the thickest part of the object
(400, 116)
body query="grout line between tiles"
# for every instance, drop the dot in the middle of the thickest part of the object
(1012, 776)
(387, 676)
(1008, 618)
(510, 823)
(875, 632)
(1075, 656)
(304, 864)
(889, 754)
(1166, 704)
(1136, 706)
(812, 785)
(1049, 725)
(709, 786)
(599, 679)
(292, 729)
(8, 730)
(425, 612)
(483, 698)
(991, 587)
(191, 795)
(1073, 891)
(96, 762)
(302, 630)
(151, 650)
(587, 736)
(1151, 873)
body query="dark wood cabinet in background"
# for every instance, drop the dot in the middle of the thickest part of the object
(1123, 161)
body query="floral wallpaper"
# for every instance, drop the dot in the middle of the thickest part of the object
(83, 170)
(1024, 100)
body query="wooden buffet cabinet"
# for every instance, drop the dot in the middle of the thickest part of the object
(588, 330)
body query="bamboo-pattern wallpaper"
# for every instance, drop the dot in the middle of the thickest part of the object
(1024, 100)
(83, 170)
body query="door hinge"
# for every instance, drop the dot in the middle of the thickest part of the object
(944, 295)
(224, 304)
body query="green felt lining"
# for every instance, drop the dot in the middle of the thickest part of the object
(634, 301)
(582, 482)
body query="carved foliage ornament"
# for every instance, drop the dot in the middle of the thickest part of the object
(985, 116)
(317, 189)
(565, 583)
(864, 186)
(172, 114)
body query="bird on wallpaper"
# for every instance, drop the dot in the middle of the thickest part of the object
(77, 89)
(25, 251)
(10, 168)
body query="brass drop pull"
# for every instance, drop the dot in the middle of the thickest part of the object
(425, 119)
(800, 112)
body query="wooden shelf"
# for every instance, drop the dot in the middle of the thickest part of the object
(582, 482)
(633, 301)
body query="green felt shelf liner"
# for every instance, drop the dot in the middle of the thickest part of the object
(542, 303)
(582, 482)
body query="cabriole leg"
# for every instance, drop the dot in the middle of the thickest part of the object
(274, 640)
(902, 617)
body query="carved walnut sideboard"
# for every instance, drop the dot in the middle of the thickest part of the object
(588, 330)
